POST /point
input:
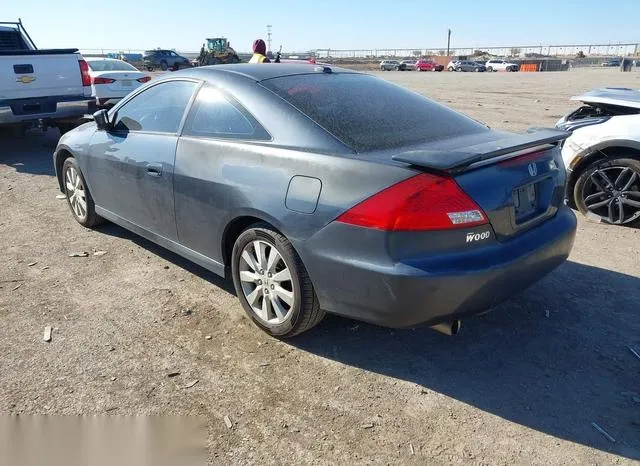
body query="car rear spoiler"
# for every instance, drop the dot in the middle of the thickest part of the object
(462, 158)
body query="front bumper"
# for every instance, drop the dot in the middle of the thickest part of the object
(435, 287)
(48, 109)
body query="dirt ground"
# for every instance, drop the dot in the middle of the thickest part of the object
(520, 385)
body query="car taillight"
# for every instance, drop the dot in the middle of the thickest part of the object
(144, 79)
(423, 202)
(84, 71)
(102, 80)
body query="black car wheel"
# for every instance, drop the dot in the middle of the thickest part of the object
(164, 66)
(609, 191)
(490, 69)
(78, 195)
(451, 68)
(272, 284)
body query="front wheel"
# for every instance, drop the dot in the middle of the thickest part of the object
(272, 283)
(609, 191)
(78, 195)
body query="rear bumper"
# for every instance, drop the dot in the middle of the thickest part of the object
(433, 288)
(45, 108)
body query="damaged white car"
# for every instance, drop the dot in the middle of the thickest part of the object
(602, 155)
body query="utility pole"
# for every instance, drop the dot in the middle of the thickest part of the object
(448, 42)
(269, 37)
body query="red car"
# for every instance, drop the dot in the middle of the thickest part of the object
(428, 65)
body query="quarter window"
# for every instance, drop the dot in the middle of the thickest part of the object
(158, 109)
(214, 115)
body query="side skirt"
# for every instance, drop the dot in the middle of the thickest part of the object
(190, 254)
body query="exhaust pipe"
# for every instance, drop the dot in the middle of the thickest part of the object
(448, 328)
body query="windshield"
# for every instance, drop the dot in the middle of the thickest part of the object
(110, 65)
(367, 113)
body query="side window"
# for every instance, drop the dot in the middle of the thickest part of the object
(158, 109)
(213, 115)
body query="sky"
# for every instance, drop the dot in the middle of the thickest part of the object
(336, 24)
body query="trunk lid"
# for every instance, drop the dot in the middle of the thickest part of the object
(124, 80)
(517, 179)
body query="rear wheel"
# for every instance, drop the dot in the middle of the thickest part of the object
(451, 68)
(609, 191)
(78, 195)
(490, 69)
(272, 284)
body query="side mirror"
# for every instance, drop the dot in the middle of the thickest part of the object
(101, 117)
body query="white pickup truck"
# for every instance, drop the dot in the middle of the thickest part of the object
(43, 88)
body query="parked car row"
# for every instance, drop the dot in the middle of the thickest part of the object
(422, 64)
(454, 65)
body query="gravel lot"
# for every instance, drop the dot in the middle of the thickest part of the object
(522, 384)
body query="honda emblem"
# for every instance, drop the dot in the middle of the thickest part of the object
(533, 169)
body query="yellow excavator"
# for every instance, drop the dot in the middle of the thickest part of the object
(217, 51)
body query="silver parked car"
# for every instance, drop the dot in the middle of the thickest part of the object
(466, 65)
(389, 65)
(408, 65)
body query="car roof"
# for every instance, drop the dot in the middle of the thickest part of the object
(623, 97)
(261, 71)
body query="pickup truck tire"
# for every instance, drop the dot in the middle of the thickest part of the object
(78, 196)
(164, 66)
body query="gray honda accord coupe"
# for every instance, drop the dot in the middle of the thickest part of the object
(316, 191)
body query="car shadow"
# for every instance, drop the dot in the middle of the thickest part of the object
(554, 359)
(31, 153)
(112, 229)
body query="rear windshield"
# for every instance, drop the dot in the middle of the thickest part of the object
(110, 65)
(367, 113)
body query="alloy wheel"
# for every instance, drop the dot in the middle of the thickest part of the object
(266, 282)
(76, 193)
(613, 193)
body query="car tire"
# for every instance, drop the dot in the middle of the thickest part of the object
(164, 66)
(451, 68)
(78, 196)
(490, 69)
(150, 69)
(587, 199)
(254, 281)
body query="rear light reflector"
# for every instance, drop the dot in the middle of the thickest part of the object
(102, 80)
(84, 71)
(144, 79)
(423, 202)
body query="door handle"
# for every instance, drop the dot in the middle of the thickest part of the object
(154, 169)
